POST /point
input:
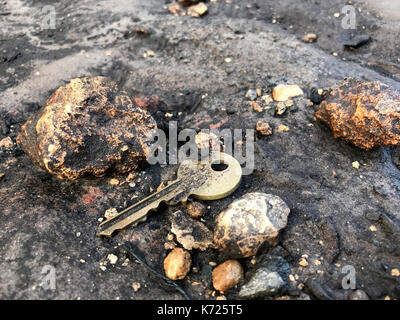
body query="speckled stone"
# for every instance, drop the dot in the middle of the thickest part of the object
(248, 223)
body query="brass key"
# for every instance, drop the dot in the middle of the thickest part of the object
(205, 181)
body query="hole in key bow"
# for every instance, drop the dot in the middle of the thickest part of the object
(221, 166)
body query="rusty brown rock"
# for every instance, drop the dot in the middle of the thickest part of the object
(263, 128)
(248, 223)
(365, 113)
(85, 129)
(177, 264)
(227, 275)
(196, 209)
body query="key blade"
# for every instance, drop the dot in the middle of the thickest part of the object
(138, 211)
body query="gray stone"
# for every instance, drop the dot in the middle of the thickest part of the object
(268, 280)
(251, 94)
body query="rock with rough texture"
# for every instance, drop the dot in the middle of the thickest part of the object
(251, 94)
(248, 223)
(87, 128)
(196, 209)
(6, 142)
(177, 264)
(263, 128)
(269, 279)
(190, 233)
(227, 275)
(284, 92)
(365, 113)
(309, 38)
(197, 10)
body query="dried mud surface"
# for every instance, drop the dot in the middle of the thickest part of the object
(46, 221)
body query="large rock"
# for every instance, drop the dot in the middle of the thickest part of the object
(86, 128)
(365, 113)
(250, 222)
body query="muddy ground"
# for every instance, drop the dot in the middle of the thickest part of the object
(45, 221)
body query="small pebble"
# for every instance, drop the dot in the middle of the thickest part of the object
(395, 272)
(112, 258)
(284, 92)
(289, 103)
(263, 128)
(114, 182)
(177, 264)
(355, 164)
(110, 213)
(196, 209)
(251, 94)
(280, 109)
(267, 99)
(283, 128)
(136, 286)
(197, 10)
(6, 142)
(256, 106)
(227, 275)
(303, 262)
(309, 38)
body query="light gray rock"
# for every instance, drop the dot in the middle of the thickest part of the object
(251, 94)
(248, 223)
